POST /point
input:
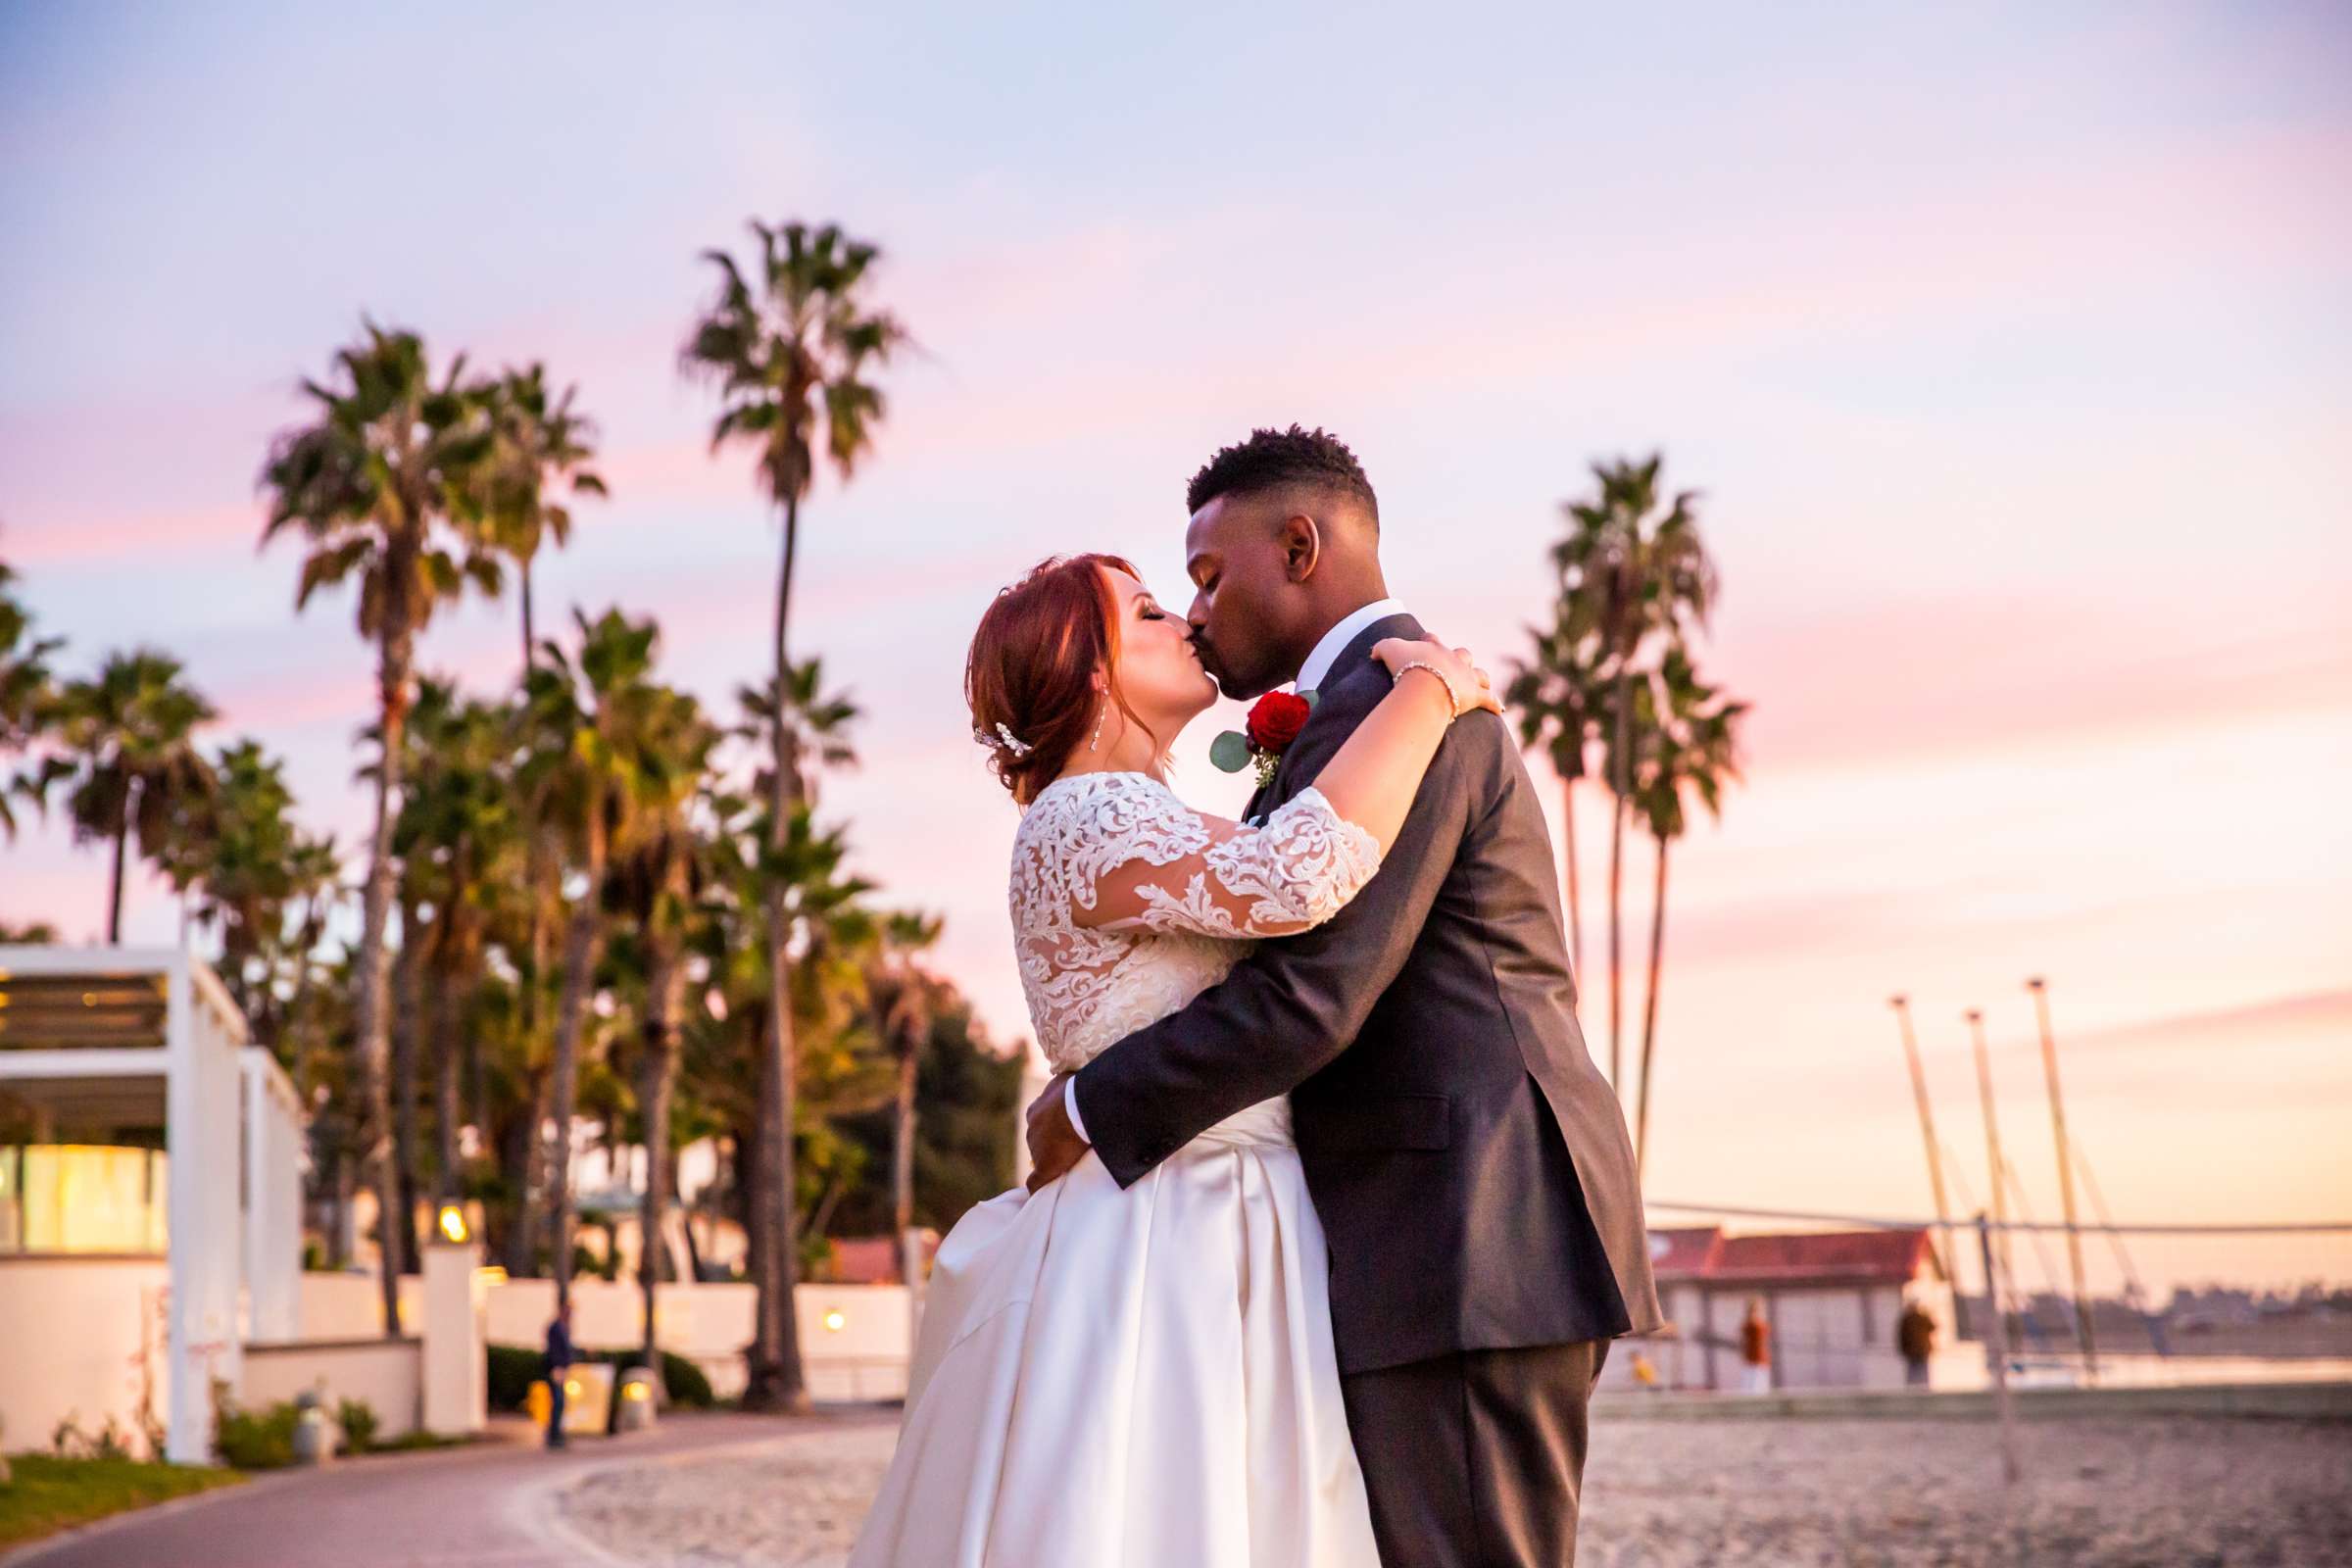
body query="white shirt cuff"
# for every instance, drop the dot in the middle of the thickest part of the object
(1069, 1108)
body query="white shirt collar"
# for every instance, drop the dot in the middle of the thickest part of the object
(1334, 641)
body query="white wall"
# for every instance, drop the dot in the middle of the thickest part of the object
(386, 1373)
(351, 1307)
(75, 1335)
(864, 1358)
(203, 1099)
(273, 1199)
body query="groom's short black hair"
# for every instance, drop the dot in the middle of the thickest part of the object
(1275, 460)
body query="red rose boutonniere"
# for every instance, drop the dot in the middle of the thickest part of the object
(1275, 721)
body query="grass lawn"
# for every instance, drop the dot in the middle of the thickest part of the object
(50, 1493)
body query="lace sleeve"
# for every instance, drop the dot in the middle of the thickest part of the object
(1162, 867)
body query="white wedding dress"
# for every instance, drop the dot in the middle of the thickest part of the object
(1140, 1378)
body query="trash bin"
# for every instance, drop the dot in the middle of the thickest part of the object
(635, 1412)
(313, 1441)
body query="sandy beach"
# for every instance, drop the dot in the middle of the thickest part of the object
(2098, 1492)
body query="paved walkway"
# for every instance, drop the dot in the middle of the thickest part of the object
(484, 1506)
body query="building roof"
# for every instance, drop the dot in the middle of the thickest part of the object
(1705, 1254)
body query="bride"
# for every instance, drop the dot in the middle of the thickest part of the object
(1144, 1378)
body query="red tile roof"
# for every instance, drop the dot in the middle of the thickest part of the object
(1891, 1257)
(1687, 1251)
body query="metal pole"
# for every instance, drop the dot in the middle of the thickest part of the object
(1992, 1150)
(2065, 1175)
(1927, 1133)
(1997, 1348)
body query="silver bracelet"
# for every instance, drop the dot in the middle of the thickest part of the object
(1454, 698)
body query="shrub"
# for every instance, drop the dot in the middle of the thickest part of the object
(254, 1440)
(683, 1384)
(513, 1368)
(358, 1419)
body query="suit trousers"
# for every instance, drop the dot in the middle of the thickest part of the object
(1476, 1460)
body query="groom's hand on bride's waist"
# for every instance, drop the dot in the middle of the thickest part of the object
(1054, 1146)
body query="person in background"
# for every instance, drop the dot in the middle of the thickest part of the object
(1755, 1347)
(1915, 1337)
(559, 1364)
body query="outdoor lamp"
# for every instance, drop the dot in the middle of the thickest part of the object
(453, 1225)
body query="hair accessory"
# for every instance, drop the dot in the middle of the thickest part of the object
(1004, 740)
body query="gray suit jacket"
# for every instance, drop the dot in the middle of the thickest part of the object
(1469, 1161)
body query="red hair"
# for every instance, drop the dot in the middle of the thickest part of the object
(1032, 668)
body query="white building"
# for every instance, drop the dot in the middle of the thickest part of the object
(150, 1195)
(1831, 1303)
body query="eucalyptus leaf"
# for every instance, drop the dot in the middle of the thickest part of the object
(1230, 751)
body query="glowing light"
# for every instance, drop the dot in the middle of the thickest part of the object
(835, 1319)
(453, 1225)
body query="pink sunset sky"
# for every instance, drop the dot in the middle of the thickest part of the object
(2012, 353)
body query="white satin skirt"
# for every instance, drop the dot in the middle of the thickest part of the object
(1131, 1379)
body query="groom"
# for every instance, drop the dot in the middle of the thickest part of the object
(1469, 1162)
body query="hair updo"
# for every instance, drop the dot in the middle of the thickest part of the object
(1030, 675)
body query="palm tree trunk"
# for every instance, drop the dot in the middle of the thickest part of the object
(408, 1025)
(1620, 785)
(775, 1381)
(693, 1247)
(1576, 910)
(659, 1071)
(902, 1163)
(528, 644)
(572, 1016)
(450, 1015)
(113, 884)
(371, 1014)
(339, 1197)
(533, 1012)
(743, 1171)
(1649, 1012)
(526, 1159)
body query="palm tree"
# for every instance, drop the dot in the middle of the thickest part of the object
(789, 350)
(1558, 697)
(1634, 575)
(456, 837)
(901, 998)
(815, 723)
(657, 884)
(250, 872)
(1690, 735)
(538, 465)
(28, 695)
(129, 747)
(383, 485)
(606, 736)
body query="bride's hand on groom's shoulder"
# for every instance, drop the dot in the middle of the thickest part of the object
(1054, 1146)
(1470, 686)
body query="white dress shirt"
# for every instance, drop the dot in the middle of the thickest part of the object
(1310, 675)
(1334, 641)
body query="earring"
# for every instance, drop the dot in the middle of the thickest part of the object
(1096, 743)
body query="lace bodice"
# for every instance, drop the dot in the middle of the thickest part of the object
(1127, 904)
